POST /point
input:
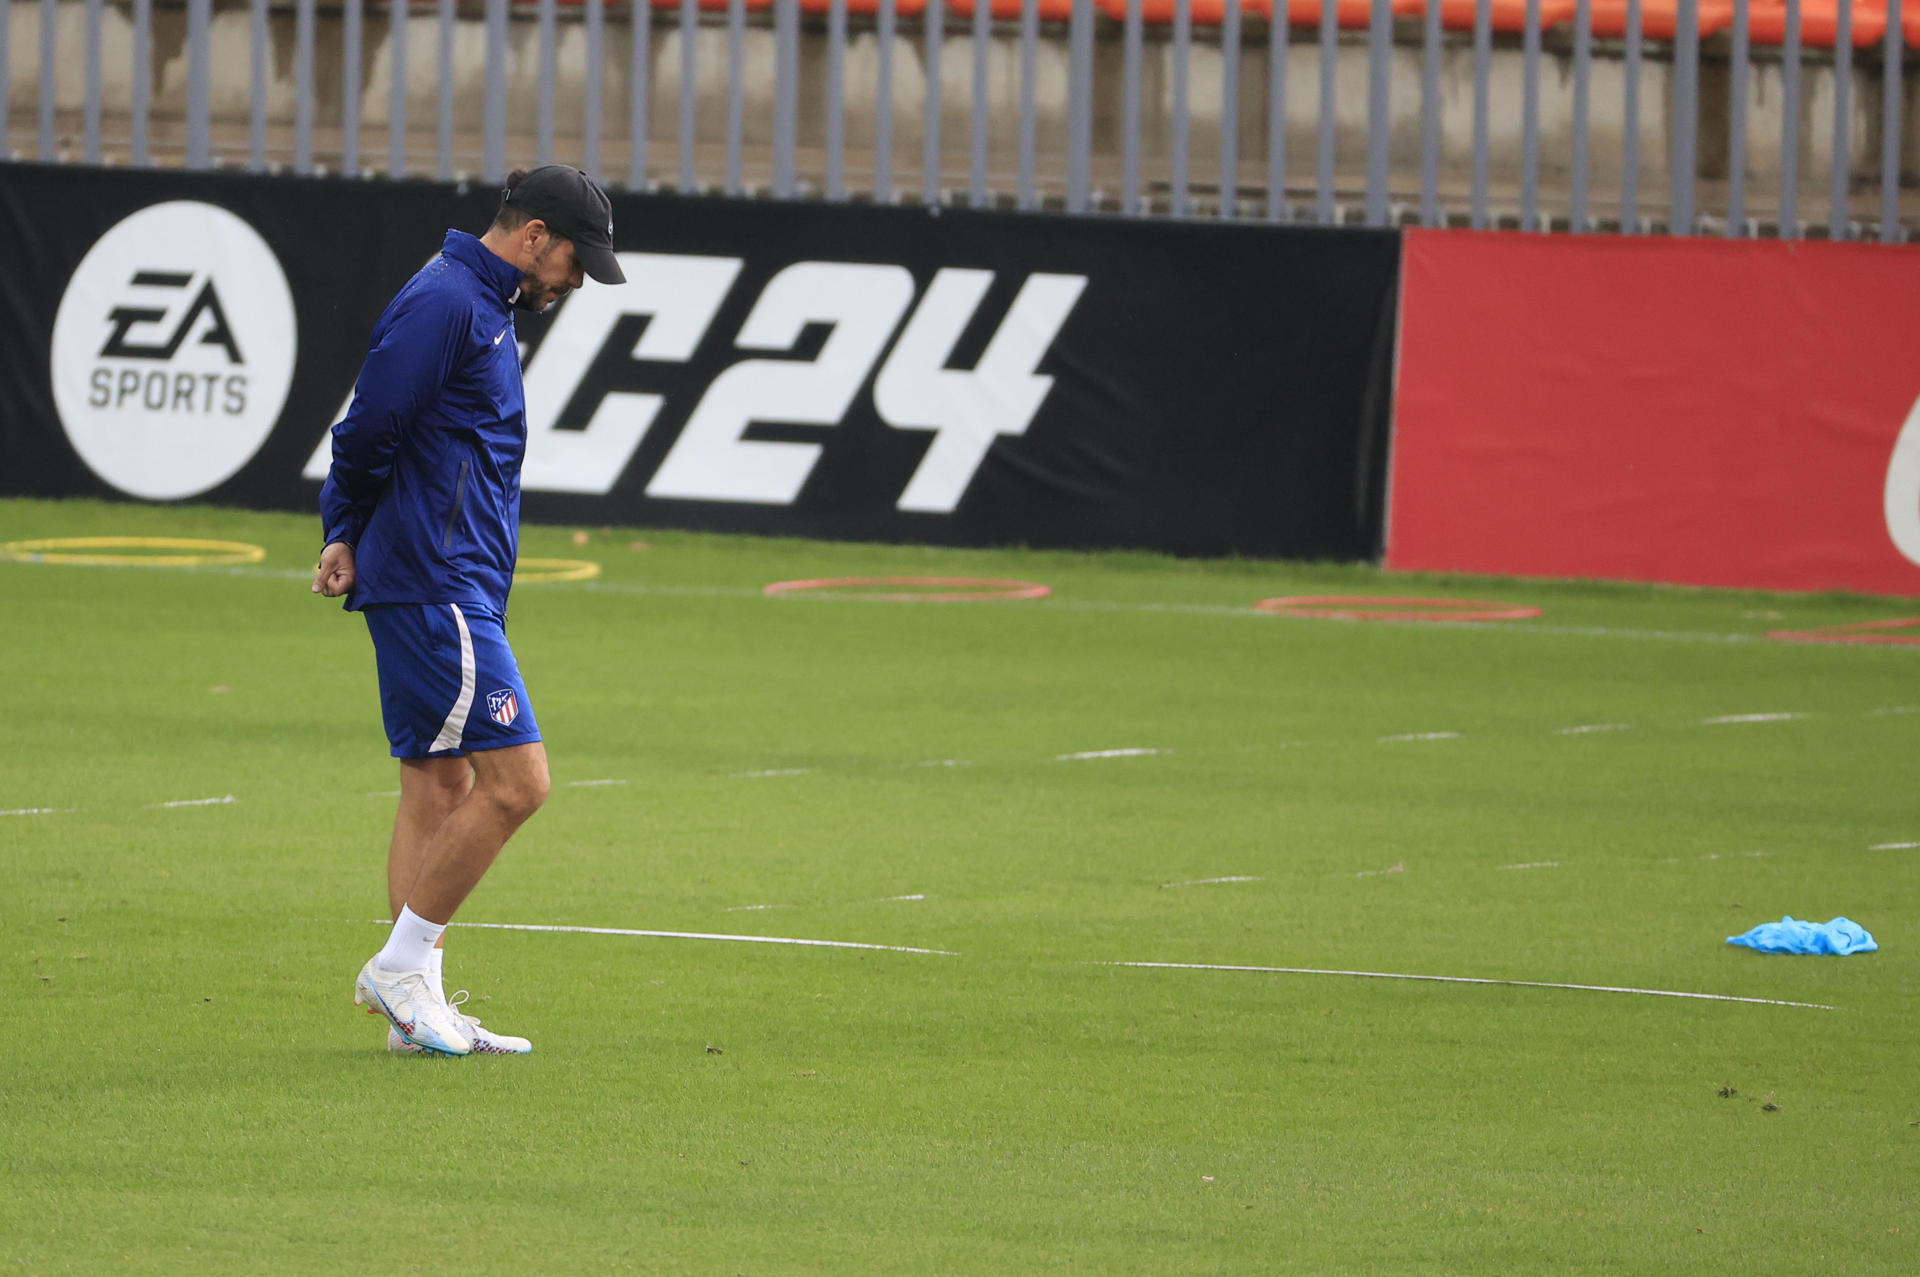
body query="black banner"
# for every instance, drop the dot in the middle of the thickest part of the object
(853, 372)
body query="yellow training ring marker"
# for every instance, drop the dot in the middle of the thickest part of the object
(87, 551)
(544, 571)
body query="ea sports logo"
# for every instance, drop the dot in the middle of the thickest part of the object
(173, 350)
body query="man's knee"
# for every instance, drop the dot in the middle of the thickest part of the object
(531, 793)
(517, 783)
(518, 799)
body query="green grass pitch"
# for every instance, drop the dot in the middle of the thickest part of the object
(186, 1087)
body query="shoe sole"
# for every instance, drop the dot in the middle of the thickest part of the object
(479, 1048)
(374, 1004)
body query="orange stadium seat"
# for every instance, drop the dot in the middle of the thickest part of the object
(1508, 17)
(1767, 19)
(1003, 10)
(709, 6)
(867, 8)
(1659, 19)
(1205, 13)
(1819, 22)
(1350, 15)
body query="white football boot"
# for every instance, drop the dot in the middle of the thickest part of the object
(417, 1015)
(485, 1041)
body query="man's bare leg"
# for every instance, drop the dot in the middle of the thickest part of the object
(430, 789)
(508, 786)
(454, 816)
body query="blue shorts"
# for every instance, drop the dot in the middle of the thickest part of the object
(448, 682)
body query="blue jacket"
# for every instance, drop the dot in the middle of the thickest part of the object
(425, 483)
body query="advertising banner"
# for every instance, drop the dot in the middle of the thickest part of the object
(853, 372)
(1691, 411)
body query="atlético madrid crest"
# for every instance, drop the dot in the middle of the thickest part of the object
(503, 706)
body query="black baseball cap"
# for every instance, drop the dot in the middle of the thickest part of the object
(571, 205)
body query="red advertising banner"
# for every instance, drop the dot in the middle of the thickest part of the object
(1693, 411)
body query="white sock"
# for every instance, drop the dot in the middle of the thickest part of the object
(436, 959)
(410, 946)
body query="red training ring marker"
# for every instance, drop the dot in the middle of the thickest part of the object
(1362, 607)
(960, 589)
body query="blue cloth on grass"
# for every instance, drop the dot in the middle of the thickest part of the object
(1792, 935)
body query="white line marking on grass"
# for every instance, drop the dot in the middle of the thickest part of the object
(36, 811)
(1080, 605)
(1188, 609)
(1208, 882)
(1465, 979)
(1108, 753)
(918, 895)
(1185, 609)
(1748, 718)
(283, 574)
(780, 771)
(196, 802)
(1600, 631)
(681, 591)
(699, 935)
(588, 784)
(746, 908)
(1375, 873)
(383, 793)
(1897, 709)
(1535, 864)
(1879, 846)
(1512, 627)
(945, 762)
(1584, 728)
(1410, 736)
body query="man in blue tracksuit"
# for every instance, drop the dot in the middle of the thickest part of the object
(422, 516)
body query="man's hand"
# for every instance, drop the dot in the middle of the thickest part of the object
(334, 575)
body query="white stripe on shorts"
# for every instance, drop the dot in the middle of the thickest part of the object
(454, 730)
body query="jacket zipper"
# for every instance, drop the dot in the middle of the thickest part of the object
(459, 499)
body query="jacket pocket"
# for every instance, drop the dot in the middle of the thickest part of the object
(459, 499)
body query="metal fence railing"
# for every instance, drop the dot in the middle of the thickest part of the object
(1738, 117)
